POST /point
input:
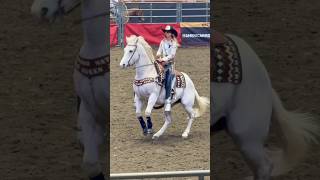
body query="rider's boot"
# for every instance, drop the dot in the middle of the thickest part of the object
(173, 88)
(168, 87)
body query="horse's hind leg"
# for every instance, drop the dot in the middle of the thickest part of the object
(188, 102)
(191, 115)
(168, 120)
(257, 159)
(249, 133)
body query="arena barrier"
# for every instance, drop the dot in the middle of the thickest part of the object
(191, 19)
(169, 174)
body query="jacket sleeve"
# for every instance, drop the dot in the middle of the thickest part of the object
(173, 53)
(159, 52)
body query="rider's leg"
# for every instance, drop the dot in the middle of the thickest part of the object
(168, 81)
(173, 84)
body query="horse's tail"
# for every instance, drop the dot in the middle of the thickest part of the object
(298, 130)
(203, 103)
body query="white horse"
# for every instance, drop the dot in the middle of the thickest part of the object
(245, 110)
(91, 75)
(139, 53)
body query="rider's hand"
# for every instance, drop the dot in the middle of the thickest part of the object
(161, 61)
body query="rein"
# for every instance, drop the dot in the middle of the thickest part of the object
(143, 65)
(136, 46)
(63, 11)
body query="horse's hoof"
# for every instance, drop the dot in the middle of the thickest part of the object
(149, 131)
(145, 132)
(184, 135)
(155, 137)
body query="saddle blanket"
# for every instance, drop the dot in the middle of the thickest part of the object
(180, 79)
(226, 63)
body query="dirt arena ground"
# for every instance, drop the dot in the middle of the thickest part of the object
(130, 150)
(37, 101)
(285, 34)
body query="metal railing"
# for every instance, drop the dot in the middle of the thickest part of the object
(161, 12)
(169, 174)
(176, 12)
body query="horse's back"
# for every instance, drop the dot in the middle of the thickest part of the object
(250, 98)
(253, 71)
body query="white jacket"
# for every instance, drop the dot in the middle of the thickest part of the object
(167, 49)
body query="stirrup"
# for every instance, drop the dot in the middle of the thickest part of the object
(167, 105)
(173, 94)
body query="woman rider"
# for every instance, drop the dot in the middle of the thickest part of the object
(165, 55)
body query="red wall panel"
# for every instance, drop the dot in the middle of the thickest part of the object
(152, 33)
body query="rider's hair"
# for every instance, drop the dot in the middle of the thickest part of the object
(175, 40)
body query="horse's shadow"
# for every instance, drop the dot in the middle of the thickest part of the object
(171, 139)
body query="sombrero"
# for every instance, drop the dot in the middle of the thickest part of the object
(170, 29)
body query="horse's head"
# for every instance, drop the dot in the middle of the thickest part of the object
(51, 9)
(131, 52)
(137, 52)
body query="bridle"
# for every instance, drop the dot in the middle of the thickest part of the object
(134, 51)
(62, 11)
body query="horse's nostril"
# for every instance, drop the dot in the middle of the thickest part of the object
(44, 11)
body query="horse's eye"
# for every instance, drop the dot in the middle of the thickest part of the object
(130, 51)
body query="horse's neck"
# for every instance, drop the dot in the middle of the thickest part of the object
(94, 30)
(145, 68)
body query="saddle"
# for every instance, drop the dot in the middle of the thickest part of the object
(226, 62)
(180, 80)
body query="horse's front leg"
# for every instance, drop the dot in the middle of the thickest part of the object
(138, 103)
(90, 142)
(151, 102)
